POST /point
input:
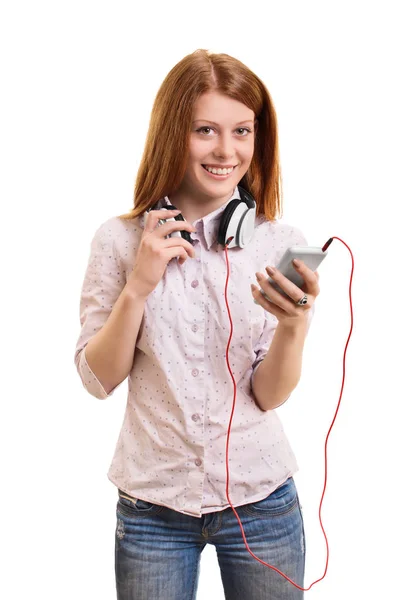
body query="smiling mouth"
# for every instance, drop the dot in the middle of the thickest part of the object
(230, 170)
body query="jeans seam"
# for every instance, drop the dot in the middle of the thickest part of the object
(195, 578)
(216, 530)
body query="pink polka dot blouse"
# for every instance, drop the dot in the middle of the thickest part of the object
(172, 445)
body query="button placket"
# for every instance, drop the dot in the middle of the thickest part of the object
(196, 417)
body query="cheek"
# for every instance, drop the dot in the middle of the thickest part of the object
(197, 151)
(248, 155)
(192, 162)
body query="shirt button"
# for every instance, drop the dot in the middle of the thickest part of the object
(195, 283)
(195, 372)
(198, 462)
(195, 417)
(194, 328)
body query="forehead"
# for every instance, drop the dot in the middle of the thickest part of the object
(218, 107)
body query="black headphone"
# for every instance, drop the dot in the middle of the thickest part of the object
(236, 226)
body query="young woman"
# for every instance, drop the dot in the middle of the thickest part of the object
(153, 309)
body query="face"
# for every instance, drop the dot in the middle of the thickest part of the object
(222, 137)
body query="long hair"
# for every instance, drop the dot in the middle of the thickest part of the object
(166, 151)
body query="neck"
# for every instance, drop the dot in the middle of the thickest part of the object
(196, 206)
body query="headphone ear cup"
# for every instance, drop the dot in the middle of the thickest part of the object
(225, 219)
(182, 233)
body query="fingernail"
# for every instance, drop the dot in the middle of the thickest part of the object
(270, 270)
(296, 262)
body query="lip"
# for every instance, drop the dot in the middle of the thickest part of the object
(219, 177)
(218, 166)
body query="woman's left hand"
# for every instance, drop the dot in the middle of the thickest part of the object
(285, 309)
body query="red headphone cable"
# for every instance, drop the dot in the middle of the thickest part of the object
(326, 245)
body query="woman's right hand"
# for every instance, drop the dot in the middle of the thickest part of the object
(155, 252)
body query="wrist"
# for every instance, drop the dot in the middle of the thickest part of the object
(297, 324)
(134, 289)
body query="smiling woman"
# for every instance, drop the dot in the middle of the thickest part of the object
(212, 151)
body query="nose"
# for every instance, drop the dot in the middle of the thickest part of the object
(224, 147)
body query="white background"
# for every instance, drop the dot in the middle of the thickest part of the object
(78, 83)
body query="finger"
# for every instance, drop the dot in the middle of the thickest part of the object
(171, 226)
(276, 297)
(260, 298)
(310, 278)
(182, 257)
(152, 217)
(176, 252)
(290, 288)
(176, 241)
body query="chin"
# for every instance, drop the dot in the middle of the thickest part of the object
(222, 188)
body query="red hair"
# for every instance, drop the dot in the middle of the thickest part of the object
(165, 155)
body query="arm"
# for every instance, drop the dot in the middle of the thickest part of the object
(110, 353)
(112, 306)
(111, 311)
(279, 352)
(279, 372)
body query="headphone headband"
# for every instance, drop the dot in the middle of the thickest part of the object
(247, 197)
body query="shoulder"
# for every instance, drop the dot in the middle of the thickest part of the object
(279, 233)
(115, 227)
(119, 230)
(117, 235)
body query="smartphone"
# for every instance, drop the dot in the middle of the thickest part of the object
(311, 256)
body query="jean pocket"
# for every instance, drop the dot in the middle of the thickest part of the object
(137, 507)
(283, 500)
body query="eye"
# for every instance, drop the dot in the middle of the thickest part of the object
(244, 129)
(202, 129)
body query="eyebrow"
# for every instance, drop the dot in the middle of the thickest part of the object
(214, 123)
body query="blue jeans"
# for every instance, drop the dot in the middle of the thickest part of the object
(157, 549)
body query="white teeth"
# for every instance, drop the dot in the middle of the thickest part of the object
(219, 171)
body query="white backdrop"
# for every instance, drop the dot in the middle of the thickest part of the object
(78, 83)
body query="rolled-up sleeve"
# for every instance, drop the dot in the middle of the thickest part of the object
(103, 282)
(295, 238)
